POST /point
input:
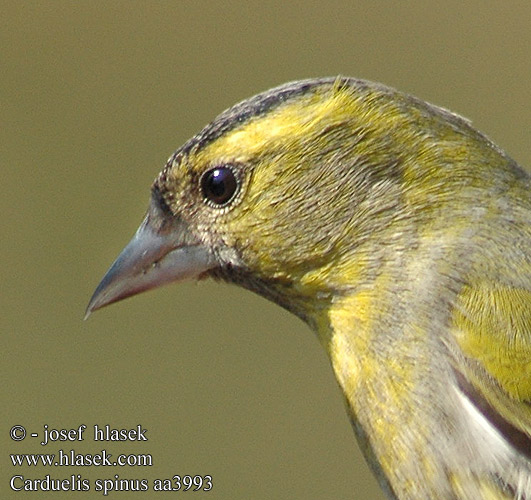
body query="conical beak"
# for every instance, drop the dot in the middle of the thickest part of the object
(161, 251)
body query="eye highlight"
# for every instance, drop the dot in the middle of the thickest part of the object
(219, 185)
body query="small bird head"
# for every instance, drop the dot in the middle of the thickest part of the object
(296, 193)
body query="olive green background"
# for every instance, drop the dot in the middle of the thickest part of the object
(94, 98)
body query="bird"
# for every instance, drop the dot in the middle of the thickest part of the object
(401, 236)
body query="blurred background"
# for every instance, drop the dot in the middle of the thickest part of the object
(94, 98)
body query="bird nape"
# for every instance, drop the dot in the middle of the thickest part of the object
(401, 235)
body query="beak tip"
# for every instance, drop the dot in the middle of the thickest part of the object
(88, 311)
(101, 297)
(91, 307)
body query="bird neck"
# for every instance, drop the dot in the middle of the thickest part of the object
(382, 367)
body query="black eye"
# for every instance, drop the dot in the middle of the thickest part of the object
(219, 185)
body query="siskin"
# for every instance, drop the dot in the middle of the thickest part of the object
(401, 235)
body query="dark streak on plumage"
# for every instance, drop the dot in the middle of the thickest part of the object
(160, 198)
(256, 106)
(265, 102)
(518, 439)
(242, 112)
(236, 116)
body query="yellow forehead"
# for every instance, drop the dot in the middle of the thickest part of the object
(290, 122)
